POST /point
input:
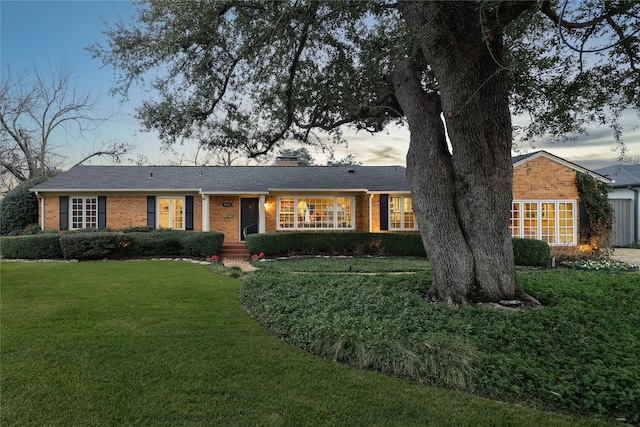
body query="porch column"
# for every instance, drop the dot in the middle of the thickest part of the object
(261, 214)
(205, 213)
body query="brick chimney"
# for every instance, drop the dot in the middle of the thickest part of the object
(287, 161)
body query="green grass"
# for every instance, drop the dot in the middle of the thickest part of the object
(169, 344)
(579, 353)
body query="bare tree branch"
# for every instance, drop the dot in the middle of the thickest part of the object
(37, 113)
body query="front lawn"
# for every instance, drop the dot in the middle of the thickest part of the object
(579, 353)
(169, 344)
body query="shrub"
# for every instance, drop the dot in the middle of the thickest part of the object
(38, 246)
(155, 243)
(94, 245)
(401, 244)
(527, 252)
(280, 244)
(531, 252)
(201, 244)
(19, 208)
(174, 243)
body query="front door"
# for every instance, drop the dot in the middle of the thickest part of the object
(248, 217)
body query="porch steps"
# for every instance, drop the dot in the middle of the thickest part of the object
(234, 251)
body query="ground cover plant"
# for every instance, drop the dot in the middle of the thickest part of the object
(168, 343)
(346, 264)
(579, 353)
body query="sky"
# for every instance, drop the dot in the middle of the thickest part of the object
(45, 34)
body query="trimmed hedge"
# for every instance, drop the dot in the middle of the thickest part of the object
(36, 246)
(531, 252)
(155, 243)
(101, 244)
(527, 252)
(201, 244)
(282, 244)
(93, 245)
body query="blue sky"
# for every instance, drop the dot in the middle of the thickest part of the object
(49, 33)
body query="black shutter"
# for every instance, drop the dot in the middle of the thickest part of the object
(64, 212)
(384, 212)
(151, 211)
(102, 211)
(188, 213)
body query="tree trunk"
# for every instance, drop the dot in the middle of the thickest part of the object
(463, 212)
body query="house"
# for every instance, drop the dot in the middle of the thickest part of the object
(239, 200)
(625, 201)
(546, 202)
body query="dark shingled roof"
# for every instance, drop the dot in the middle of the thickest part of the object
(623, 175)
(229, 179)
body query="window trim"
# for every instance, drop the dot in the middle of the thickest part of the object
(540, 217)
(296, 199)
(402, 214)
(70, 212)
(171, 198)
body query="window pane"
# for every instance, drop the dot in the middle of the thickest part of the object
(548, 222)
(77, 208)
(515, 220)
(566, 223)
(530, 220)
(176, 217)
(163, 213)
(318, 214)
(409, 221)
(343, 212)
(395, 212)
(91, 212)
(315, 212)
(287, 212)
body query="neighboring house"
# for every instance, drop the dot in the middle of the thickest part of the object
(239, 200)
(546, 203)
(625, 201)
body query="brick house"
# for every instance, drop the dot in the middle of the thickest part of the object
(239, 200)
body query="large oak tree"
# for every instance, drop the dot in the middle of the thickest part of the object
(259, 72)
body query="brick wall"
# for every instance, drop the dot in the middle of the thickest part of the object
(542, 178)
(51, 212)
(270, 213)
(126, 211)
(123, 211)
(225, 219)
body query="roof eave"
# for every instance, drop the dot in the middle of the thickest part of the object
(115, 190)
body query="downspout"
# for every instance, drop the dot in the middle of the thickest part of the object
(206, 226)
(261, 214)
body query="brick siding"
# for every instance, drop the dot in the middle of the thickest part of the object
(541, 178)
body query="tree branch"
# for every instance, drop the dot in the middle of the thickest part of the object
(551, 14)
(289, 92)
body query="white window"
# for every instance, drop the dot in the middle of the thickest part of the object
(84, 212)
(401, 213)
(171, 212)
(548, 220)
(317, 212)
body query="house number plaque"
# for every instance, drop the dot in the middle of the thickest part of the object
(227, 204)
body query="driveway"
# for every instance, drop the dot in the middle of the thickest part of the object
(631, 256)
